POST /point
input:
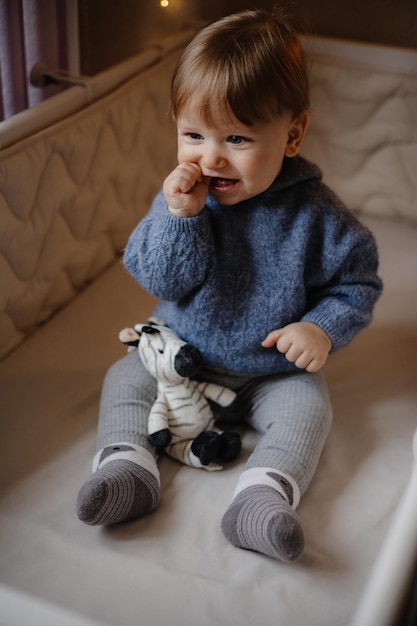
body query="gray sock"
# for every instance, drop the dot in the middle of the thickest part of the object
(124, 486)
(260, 519)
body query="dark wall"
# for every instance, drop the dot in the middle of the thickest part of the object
(112, 31)
(391, 22)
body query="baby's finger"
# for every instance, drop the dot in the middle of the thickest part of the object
(286, 346)
(292, 352)
(190, 173)
(271, 339)
(304, 361)
(185, 184)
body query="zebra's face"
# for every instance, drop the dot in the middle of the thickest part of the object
(167, 357)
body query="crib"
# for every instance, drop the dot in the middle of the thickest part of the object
(72, 187)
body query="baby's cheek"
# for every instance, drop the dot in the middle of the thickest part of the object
(184, 155)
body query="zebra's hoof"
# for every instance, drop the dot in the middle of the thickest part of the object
(230, 446)
(206, 446)
(161, 438)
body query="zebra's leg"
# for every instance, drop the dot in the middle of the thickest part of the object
(210, 446)
(125, 481)
(182, 450)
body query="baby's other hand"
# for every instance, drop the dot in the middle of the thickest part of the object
(303, 343)
(185, 190)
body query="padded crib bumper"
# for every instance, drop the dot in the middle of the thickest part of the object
(71, 193)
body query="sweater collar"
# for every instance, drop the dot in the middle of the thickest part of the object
(294, 170)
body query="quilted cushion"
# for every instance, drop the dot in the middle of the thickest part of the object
(363, 131)
(70, 195)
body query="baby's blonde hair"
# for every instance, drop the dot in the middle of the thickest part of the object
(250, 64)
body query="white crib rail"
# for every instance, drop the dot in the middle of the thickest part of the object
(391, 577)
(86, 92)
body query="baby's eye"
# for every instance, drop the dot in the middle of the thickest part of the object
(236, 139)
(195, 136)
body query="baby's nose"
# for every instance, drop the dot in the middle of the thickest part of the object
(213, 160)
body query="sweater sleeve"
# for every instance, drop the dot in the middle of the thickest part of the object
(343, 304)
(169, 255)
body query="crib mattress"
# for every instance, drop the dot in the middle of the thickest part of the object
(175, 566)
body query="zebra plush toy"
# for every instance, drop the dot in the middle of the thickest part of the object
(181, 420)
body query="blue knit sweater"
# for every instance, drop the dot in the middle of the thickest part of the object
(232, 274)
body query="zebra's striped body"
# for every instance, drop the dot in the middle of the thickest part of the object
(181, 406)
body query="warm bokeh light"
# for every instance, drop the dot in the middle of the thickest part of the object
(164, 3)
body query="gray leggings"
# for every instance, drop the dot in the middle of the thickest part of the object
(292, 412)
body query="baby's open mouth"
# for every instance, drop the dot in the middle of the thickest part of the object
(223, 184)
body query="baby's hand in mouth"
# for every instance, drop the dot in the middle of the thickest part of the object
(185, 190)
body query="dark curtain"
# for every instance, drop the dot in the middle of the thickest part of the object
(30, 31)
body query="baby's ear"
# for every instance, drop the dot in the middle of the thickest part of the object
(296, 134)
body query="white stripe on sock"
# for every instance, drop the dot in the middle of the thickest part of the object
(139, 455)
(259, 476)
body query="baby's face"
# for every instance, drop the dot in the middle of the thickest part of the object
(241, 161)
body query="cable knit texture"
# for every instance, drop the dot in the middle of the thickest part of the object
(232, 274)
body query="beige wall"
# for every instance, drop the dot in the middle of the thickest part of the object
(112, 31)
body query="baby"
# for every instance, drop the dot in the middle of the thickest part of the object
(258, 264)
